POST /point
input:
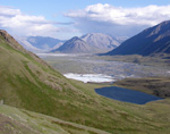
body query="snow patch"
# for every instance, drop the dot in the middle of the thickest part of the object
(54, 54)
(96, 78)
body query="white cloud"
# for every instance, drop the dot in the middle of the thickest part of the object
(14, 21)
(118, 20)
(103, 18)
(6, 11)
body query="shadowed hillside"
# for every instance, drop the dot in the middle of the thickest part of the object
(151, 41)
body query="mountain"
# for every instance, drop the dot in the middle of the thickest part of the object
(62, 105)
(89, 43)
(151, 41)
(121, 39)
(44, 43)
(39, 43)
(100, 41)
(28, 46)
(75, 45)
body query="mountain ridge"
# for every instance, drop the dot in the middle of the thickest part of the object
(44, 43)
(151, 41)
(39, 43)
(89, 43)
(75, 45)
(100, 41)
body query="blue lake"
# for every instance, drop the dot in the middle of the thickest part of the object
(126, 95)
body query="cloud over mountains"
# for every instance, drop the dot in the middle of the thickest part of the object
(98, 18)
(114, 20)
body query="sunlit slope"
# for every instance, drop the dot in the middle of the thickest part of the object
(15, 120)
(28, 82)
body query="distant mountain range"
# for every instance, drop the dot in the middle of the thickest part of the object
(151, 41)
(89, 43)
(39, 43)
(44, 43)
(27, 45)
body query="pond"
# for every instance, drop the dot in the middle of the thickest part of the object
(126, 95)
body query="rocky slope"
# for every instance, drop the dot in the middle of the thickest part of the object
(100, 41)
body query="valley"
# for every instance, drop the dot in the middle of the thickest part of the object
(92, 64)
(152, 78)
(30, 84)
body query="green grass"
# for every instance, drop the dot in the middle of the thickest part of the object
(28, 83)
(13, 120)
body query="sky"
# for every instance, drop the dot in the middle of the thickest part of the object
(67, 18)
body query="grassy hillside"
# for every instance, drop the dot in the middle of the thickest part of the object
(29, 83)
(13, 120)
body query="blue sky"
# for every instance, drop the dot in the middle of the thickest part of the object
(49, 8)
(67, 18)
